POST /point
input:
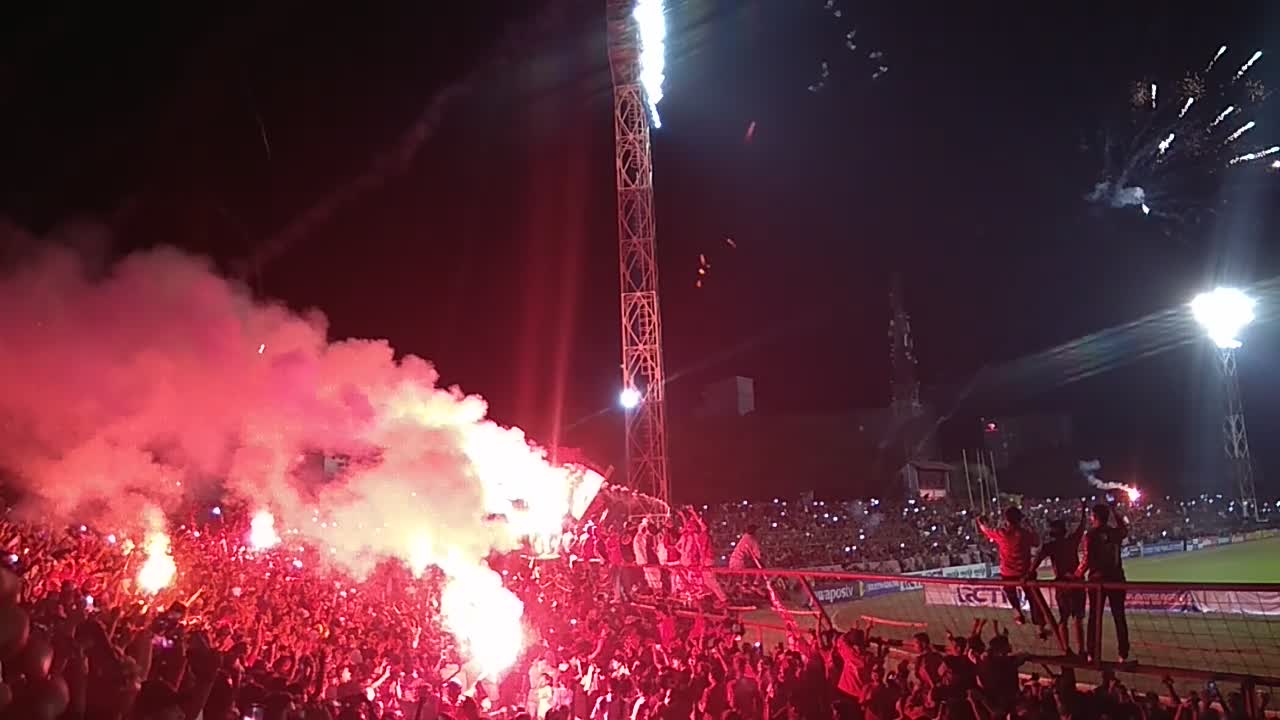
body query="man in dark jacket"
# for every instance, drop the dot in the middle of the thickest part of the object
(1063, 553)
(1103, 563)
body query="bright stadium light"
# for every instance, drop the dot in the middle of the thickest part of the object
(629, 398)
(1223, 313)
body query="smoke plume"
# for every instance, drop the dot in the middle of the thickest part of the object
(145, 385)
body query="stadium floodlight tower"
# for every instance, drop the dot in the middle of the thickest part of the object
(1224, 313)
(637, 32)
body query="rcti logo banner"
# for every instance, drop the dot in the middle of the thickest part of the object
(976, 596)
(1172, 601)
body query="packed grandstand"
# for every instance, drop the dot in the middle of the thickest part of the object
(242, 631)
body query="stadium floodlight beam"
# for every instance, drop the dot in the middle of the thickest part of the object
(1224, 313)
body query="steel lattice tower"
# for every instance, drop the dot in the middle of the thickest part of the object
(1235, 441)
(641, 319)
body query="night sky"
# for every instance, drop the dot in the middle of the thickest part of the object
(490, 246)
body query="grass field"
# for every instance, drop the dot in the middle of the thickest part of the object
(1206, 641)
(1253, 562)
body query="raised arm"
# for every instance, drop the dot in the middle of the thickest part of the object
(991, 534)
(1121, 524)
(1038, 560)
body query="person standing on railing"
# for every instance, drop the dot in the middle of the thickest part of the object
(642, 545)
(747, 555)
(612, 548)
(1015, 542)
(1103, 563)
(698, 553)
(1063, 552)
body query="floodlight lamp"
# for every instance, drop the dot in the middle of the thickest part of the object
(629, 398)
(1223, 313)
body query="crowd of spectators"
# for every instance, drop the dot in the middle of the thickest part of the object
(280, 635)
(913, 535)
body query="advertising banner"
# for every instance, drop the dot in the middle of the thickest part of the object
(1175, 601)
(975, 596)
(837, 593)
(1162, 548)
(875, 588)
(976, 570)
(1160, 601)
(884, 587)
(831, 590)
(1237, 603)
(1130, 551)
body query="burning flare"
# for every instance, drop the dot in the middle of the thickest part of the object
(158, 570)
(484, 616)
(262, 531)
(1090, 468)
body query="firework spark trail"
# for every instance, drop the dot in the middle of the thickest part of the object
(652, 23)
(1216, 55)
(1245, 67)
(102, 418)
(1174, 149)
(1240, 131)
(1226, 112)
(1250, 157)
(875, 58)
(398, 158)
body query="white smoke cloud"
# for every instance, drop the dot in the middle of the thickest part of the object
(1116, 195)
(1090, 469)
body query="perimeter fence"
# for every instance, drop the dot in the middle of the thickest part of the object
(1192, 631)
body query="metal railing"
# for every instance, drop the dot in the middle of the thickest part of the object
(1208, 631)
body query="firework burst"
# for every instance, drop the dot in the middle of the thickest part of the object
(1179, 138)
(851, 46)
